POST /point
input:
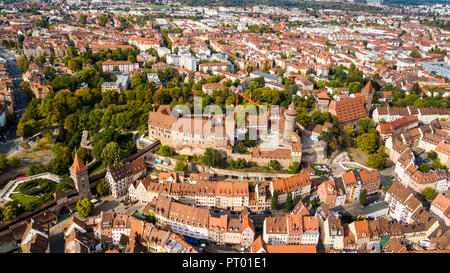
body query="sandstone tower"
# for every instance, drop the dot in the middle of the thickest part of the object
(290, 116)
(80, 176)
(368, 92)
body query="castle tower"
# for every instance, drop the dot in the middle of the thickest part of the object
(80, 177)
(290, 116)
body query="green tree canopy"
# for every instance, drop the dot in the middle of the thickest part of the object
(102, 187)
(288, 204)
(23, 63)
(10, 211)
(111, 154)
(36, 168)
(180, 166)
(65, 182)
(424, 167)
(428, 193)
(238, 163)
(376, 161)
(363, 197)
(367, 142)
(274, 202)
(432, 155)
(84, 207)
(365, 125)
(294, 167)
(166, 150)
(211, 157)
(415, 54)
(273, 165)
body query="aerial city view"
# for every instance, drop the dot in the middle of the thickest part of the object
(216, 126)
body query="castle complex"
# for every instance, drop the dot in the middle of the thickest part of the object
(193, 134)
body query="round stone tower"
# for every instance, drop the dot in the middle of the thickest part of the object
(290, 116)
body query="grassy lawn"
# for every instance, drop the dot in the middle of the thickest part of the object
(36, 192)
(95, 167)
(24, 199)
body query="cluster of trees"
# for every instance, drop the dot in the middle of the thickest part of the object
(363, 197)
(267, 96)
(415, 54)
(311, 7)
(10, 44)
(84, 207)
(180, 166)
(8, 163)
(274, 201)
(437, 50)
(165, 150)
(10, 211)
(124, 24)
(259, 29)
(368, 140)
(414, 98)
(238, 164)
(342, 76)
(211, 157)
(294, 168)
(102, 187)
(428, 193)
(23, 63)
(436, 22)
(242, 147)
(90, 109)
(435, 163)
(102, 20)
(315, 202)
(316, 117)
(273, 165)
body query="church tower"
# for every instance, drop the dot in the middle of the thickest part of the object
(80, 177)
(290, 116)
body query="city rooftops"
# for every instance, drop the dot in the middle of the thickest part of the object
(265, 75)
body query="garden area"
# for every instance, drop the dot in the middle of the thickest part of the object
(33, 193)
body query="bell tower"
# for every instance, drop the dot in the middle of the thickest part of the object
(80, 177)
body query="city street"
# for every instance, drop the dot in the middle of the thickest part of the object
(387, 174)
(10, 145)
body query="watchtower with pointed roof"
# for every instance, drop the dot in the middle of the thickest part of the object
(290, 116)
(80, 177)
(368, 92)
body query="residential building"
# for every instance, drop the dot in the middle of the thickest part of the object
(402, 203)
(297, 185)
(441, 208)
(119, 177)
(331, 229)
(126, 67)
(36, 238)
(259, 246)
(291, 229)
